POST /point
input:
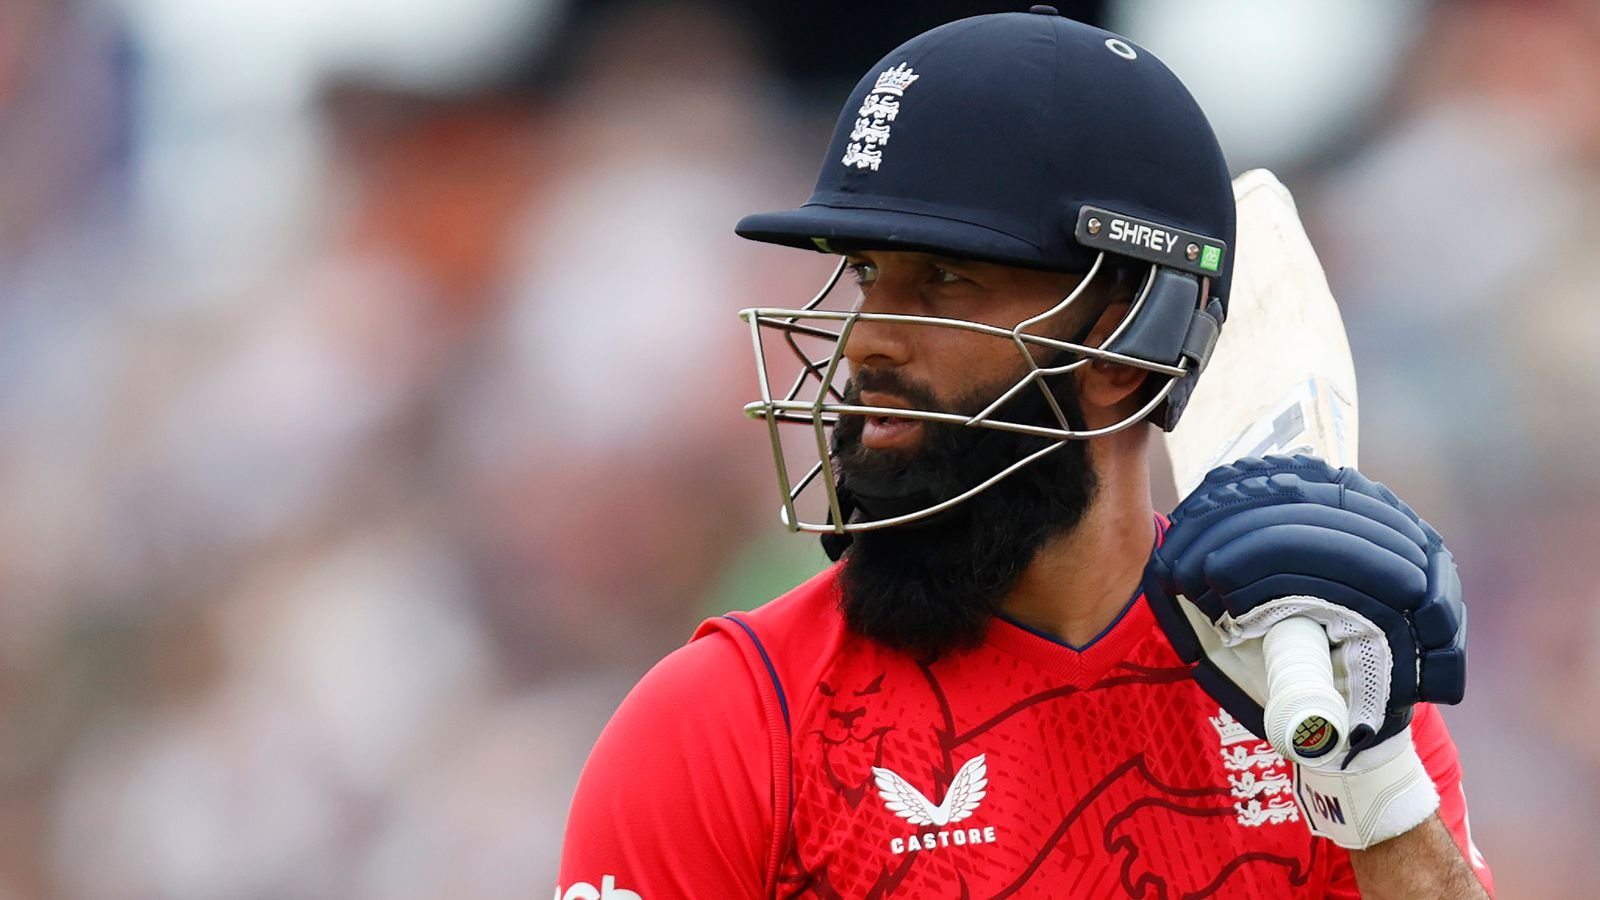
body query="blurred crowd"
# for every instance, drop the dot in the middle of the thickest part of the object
(370, 417)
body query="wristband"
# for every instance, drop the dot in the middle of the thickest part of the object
(1385, 793)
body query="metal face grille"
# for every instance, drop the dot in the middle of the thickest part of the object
(815, 337)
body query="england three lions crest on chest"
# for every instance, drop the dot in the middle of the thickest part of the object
(1260, 780)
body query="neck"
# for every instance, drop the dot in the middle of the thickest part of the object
(1081, 580)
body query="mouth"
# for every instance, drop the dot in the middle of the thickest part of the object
(885, 432)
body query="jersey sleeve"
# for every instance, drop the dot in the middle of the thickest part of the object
(1439, 758)
(676, 798)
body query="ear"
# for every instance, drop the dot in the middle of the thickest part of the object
(1105, 387)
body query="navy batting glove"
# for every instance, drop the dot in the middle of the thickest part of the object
(1384, 585)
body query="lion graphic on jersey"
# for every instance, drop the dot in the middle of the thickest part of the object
(852, 746)
(1152, 868)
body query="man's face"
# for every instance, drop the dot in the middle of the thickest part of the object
(946, 363)
(931, 587)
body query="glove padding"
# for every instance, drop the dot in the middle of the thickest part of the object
(1261, 530)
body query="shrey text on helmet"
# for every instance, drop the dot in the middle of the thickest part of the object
(1143, 235)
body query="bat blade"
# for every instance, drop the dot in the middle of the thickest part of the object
(1280, 379)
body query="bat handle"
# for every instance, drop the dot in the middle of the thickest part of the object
(1306, 718)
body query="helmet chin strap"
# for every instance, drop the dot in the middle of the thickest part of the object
(876, 497)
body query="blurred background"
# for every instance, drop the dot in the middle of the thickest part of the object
(370, 387)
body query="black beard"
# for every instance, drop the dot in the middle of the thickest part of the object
(932, 587)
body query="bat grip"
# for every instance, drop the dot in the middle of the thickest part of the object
(1306, 719)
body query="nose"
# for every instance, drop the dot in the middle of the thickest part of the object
(847, 717)
(876, 343)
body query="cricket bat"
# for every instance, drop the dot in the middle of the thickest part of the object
(1280, 380)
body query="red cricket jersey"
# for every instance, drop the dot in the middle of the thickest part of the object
(779, 755)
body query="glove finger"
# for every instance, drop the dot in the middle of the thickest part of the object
(1225, 498)
(1196, 514)
(1186, 534)
(1312, 551)
(1374, 508)
(1310, 471)
(1357, 481)
(1184, 568)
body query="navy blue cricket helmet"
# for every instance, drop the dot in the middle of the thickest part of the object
(1032, 140)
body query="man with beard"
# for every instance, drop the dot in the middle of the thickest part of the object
(930, 589)
(995, 693)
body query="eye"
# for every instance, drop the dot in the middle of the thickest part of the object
(865, 273)
(873, 688)
(945, 276)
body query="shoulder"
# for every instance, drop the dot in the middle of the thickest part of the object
(699, 688)
(676, 797)
(792, 639)
(720, 682)
(695, 762)
(729, 649)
